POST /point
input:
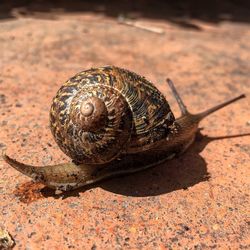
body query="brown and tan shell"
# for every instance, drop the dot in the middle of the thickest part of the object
(101, 113)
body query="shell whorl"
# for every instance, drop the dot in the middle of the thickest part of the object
(101, 113)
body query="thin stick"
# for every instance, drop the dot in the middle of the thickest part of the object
(140, 26)
(181, 104)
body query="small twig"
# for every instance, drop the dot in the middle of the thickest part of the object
(122, 20)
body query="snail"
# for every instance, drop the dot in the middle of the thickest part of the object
(110, 122)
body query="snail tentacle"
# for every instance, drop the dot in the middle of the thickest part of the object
(179, 100)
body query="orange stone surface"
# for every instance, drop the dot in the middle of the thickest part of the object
(197, 201)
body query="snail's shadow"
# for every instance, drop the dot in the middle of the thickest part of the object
(179, 173)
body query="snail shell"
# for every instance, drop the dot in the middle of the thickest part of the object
(102, 113)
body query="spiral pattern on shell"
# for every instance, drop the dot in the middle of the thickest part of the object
(102, 113)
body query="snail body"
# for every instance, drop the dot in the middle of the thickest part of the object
(111, 121)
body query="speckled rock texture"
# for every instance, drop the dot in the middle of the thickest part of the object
(197, 201)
